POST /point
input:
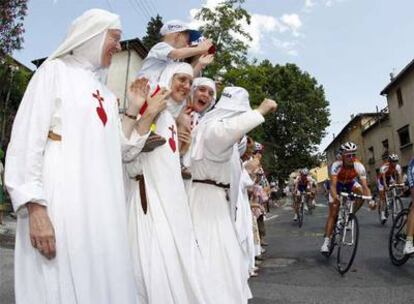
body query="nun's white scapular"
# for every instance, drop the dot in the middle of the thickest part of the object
(215, 137)
(167, 260)
(79, 179)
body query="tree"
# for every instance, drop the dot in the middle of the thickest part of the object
(292, 134)
(12, 13)
(13, 83)
(224, 25)
(153, 35)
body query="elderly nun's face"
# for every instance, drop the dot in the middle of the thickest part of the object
(181, 86)
(202, 98)
(111, 46)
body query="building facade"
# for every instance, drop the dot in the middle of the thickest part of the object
(400, 100)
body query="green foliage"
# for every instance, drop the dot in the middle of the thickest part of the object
(292, 134)
(12, 13)
(153, 35)
(223, 25)
(13, 83)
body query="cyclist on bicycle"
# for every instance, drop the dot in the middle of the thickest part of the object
(345, 175)
(390, 173)
(409, 247)
(302, 183)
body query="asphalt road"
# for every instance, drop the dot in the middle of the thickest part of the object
(295, 272)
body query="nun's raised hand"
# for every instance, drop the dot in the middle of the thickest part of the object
(158, 102)
(267, 106)
(42, 233)
(137, 94)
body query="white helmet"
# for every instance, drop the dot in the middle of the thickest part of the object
(349, 147)
(393, 157)
(304, 171)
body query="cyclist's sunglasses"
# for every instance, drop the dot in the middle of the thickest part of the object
(349, 155)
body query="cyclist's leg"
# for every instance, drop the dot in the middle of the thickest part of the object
(330, 223)
(409, 247)
(357, 188)
(381, 192)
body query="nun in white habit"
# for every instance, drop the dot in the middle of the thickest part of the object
(64, 175)
(216, 135)
(168, 264)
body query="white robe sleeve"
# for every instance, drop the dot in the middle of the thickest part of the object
(133, 146)
(221, 136)
(24, 159)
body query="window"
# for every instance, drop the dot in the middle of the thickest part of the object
(404, 135)
(371, 159)
(385, 144)
(399, 97)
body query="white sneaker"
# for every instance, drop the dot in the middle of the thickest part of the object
(325, 245)
(295, 218)
(383, 217)
(408, 248)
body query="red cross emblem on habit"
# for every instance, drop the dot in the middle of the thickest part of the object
(171, 140)
(100, 109)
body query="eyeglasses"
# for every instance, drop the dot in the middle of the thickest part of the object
(349, 155)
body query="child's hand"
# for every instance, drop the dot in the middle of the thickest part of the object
(205, 60)
(205, 45)
(138, 92)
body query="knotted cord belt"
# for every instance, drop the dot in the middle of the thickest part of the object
(54, 136)
(142, 192)
(226, 187)
(211, 182)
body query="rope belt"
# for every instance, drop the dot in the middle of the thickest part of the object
(211, 182)
(54, 136)
(142, 192)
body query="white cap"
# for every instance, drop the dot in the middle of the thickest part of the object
(234, 99)
(174, 26)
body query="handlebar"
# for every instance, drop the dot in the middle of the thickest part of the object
(396, 186)
(355, 195)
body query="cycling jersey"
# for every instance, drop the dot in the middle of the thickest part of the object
(410, 173)
(387, 171)
(302, 184)
(347, 175)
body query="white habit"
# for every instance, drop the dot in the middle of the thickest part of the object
(79, 179)
(167, 260)
(216, 135)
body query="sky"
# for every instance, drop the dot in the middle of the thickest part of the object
(349, 46)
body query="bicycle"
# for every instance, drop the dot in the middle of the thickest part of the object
(346, 232)
(393, 203)
(304, 198)
(397, 238)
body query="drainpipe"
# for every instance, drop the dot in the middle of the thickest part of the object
(126, 78)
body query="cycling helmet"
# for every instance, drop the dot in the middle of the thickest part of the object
(304, 171)
(393, 157)
(349, 147)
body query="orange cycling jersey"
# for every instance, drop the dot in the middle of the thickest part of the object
(347, 175)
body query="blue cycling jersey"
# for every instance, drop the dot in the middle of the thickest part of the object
(410, 173)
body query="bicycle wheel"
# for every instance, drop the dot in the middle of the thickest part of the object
(300, 215)
(397, 206)
(347, 245)
(396, 241)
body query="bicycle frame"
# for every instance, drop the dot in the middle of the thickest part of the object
(346, 208)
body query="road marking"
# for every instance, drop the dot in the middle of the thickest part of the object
(271, 218)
